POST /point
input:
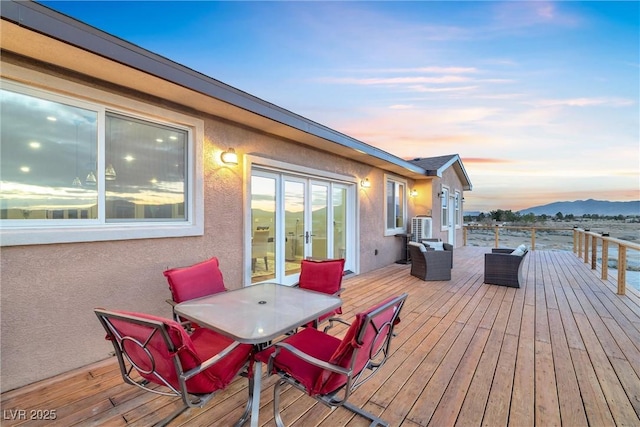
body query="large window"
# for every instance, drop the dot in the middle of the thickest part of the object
(458, 212)
(68, 163)
(444, 197)
(395, 205)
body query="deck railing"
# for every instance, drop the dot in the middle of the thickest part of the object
(586, 244)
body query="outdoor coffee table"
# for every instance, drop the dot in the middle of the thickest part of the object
(257, 314)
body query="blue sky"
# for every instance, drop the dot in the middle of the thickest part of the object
(539, 99)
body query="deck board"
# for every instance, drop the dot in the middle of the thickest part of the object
(562, 350)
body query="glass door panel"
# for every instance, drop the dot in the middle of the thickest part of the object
(294, 223)
(318, 233)
(339, 202)
(293, 217)
(263, 228)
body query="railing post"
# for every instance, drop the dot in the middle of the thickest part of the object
(580, 238)
(533, 238)
(497, 236)
(586, 246)
(575, 240)
(605, 259)
(594, 251)
(622, 269)
(464, 236)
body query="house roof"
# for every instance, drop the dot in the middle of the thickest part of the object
(435, 166)
(35, 31)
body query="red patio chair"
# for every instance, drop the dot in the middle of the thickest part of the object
(154, 350)
(322, 276)
(195, 281)
(330, 369)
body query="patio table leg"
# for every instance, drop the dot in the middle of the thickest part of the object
(257, 385)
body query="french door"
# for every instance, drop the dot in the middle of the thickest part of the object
(298, 217)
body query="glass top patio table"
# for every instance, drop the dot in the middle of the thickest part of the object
(258, 313)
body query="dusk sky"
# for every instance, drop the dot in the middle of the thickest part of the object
(539, 99)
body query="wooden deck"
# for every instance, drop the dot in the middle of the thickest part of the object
(562, 350)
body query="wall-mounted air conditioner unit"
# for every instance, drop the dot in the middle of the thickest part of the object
(420, 228)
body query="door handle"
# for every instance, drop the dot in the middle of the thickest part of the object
(306, 236)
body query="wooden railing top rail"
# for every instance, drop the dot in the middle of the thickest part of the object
(620, 242)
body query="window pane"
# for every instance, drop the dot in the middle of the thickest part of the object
(400, 206)
(391, 210)
(263, 220)
(339, 222)
(48, 150)
(145, 170)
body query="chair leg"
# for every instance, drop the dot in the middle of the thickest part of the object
(276, 403)
(247, 410)
(375, 421)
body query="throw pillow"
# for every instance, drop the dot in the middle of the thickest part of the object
(438, 246)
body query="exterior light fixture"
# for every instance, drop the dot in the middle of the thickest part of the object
(90, 179)
(414, 193)
(365, 183)
(229, 157)
(110, 173)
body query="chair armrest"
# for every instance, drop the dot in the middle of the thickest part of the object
(447, 246)
(502, 250)
(210, 362)
(307, 358)
(171, 302)
(335, 319)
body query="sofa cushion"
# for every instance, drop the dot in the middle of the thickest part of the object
(438, 246)
(519, 251)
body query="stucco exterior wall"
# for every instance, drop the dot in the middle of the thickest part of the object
(49, 291)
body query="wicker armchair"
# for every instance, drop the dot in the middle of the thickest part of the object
(503, 267)
(430, 264)
(445, 246)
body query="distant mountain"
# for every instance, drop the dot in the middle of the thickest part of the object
(584, 207)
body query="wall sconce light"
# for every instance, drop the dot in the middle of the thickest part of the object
(229, 157)
(365, 183)
(110, 173)
(414, 193)
(440, 195)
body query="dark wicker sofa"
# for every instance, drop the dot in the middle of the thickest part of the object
(430, 264)
(504, 267)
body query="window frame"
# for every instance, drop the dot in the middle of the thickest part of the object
(21, 232)
(397, 182)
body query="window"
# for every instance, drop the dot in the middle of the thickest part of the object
(458, 216)
(444, 198)
(395, 206)
(71, 166)
(145, 170)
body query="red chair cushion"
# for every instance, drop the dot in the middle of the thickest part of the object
(310, 341)
(322, 276)
(371, 342)
(198, 280)
(192, 352)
